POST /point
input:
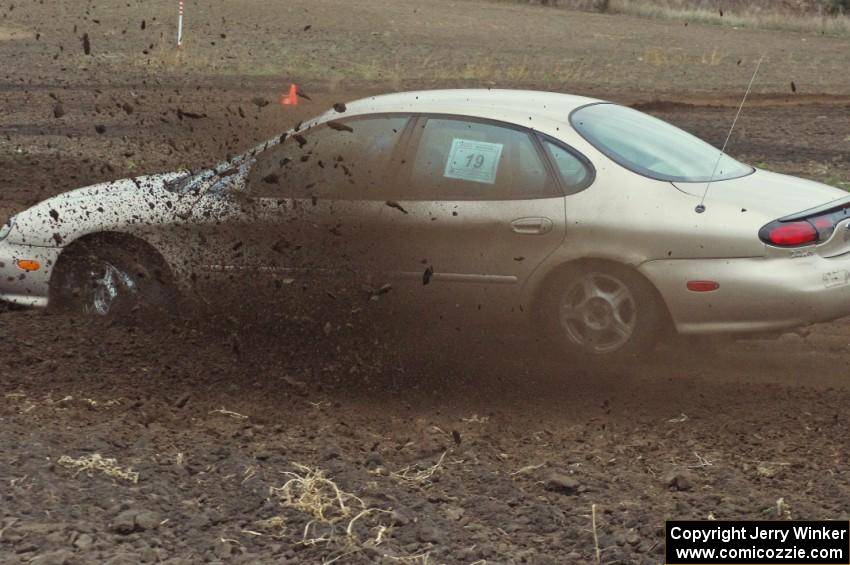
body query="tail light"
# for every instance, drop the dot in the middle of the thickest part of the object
(789, 234)
(803, 231)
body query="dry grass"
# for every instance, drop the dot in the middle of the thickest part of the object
(756, 15)
(230, 413)
(417, 476)
(418, 559)
(91, 463)
(335, 514)
(762, 19)
(311, 492)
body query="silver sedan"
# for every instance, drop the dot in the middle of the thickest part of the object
(596, 224)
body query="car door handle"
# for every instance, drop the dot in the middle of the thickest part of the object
(532, 226)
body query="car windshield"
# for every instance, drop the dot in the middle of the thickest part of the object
(652, 147)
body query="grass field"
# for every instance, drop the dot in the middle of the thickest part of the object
(824, 17)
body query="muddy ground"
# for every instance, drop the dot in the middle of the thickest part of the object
(469, 447)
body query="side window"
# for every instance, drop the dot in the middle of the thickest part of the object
(342, 160)
(457, 159)
(574, 172)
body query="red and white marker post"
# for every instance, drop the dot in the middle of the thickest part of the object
(180, 23)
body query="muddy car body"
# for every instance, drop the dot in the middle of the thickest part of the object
(544, 206)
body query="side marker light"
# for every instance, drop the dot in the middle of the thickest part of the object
(703, 286)
(28, 265)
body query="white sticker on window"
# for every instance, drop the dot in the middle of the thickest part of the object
(476, 161)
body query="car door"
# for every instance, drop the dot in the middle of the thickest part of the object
(481, 206)
(306, 206)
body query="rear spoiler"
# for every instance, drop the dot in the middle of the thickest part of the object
(843, 202)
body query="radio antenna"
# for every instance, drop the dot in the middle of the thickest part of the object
(701, 206)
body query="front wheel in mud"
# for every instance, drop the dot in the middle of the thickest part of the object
(602, 311)
(105, 280)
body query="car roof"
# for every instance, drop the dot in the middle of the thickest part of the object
(522, 107)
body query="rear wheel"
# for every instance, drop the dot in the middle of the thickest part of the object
(602, 310)
(107, 280)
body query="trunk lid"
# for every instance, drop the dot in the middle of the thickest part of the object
(771, 194)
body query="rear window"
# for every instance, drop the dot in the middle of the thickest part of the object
(652, 147)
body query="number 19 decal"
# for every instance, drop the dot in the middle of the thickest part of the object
(475, 161)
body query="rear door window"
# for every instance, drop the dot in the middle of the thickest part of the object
(458, 159)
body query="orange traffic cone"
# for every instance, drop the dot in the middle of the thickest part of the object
(290, 99)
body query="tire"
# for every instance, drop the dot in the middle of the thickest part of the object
(111, 281)
(602, 311)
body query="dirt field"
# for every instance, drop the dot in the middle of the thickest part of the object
(467, 448)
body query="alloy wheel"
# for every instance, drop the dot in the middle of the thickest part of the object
(108, 287)
(598, 313)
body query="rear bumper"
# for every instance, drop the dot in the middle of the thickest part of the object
(755, 295)
(22, 287)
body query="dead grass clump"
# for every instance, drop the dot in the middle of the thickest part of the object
(336, 514)
(313, 493)
(95, 462)
(331, 509)
(417, 476)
